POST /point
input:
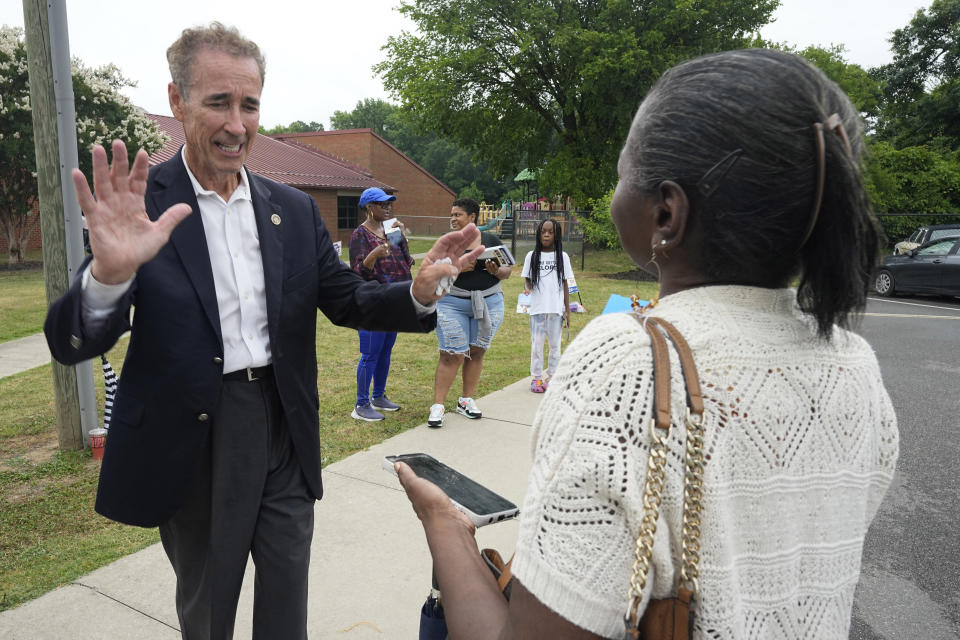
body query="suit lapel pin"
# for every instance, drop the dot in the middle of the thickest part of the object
(275, 219)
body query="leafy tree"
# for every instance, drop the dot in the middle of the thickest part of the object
(453, 165)
(919, 179)
(551, 83)
(102, 114)
(471, 191)
(922, 84)
(370, 113)
(862, 88)
(914, 179)
(598, 227)
(297, 126)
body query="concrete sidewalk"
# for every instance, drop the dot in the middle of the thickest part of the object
(370, 566)
(22, 354)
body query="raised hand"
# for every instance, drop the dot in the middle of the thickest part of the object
(122, 236)
(451, 245)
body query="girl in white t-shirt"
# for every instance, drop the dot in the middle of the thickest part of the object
(545, 281)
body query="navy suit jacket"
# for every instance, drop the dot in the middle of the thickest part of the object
(170, 383)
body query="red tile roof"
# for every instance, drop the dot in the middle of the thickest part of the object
(291, 138)
(294, 164)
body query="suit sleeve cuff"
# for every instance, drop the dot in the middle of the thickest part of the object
(97, 300)
(422, 310)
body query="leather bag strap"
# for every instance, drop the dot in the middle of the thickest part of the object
(657, 329)
(690, 375)
(661, 379)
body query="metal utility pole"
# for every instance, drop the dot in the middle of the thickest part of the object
(55, 140)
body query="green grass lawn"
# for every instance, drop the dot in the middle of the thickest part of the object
(23, 302)
(417, 245)
(49, 533)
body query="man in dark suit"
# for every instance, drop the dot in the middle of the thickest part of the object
(214, 436)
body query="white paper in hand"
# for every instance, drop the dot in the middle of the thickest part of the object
(446, 281)
(391, 231)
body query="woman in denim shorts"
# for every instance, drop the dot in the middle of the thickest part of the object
(467, 319)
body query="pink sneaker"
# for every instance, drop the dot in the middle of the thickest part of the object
(537, 386)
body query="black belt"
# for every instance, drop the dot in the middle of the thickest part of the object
(250, 374)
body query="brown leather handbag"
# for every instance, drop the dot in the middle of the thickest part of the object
(669, 618)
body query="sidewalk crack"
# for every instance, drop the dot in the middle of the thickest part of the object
(121, 602)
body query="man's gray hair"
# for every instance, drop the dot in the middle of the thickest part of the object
(182, 54)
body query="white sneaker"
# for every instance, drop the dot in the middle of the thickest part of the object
(435, 421)
(467, 407)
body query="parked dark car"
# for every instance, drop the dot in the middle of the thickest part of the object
(926, 234)
(933, 268)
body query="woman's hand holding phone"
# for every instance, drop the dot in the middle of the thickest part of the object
(448, 488)
(430, 503)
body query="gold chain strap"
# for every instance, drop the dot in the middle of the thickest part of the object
(692, 502)
(653, 492)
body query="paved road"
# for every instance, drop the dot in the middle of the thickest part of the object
(910, 584)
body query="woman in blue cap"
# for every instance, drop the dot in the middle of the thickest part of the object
(375, 257)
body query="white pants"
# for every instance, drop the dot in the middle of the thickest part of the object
(544, 326)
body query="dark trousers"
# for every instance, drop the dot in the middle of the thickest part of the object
(249, 497)
(375, 350)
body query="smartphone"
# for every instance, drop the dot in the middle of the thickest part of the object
(499, 253)
(480, 504)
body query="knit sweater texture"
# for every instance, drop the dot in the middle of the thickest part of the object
(800, 443)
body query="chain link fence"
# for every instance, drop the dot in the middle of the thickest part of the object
(516, 228)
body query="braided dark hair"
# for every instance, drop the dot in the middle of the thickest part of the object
(557, 249)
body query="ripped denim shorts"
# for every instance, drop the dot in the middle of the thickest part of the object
(457, 329)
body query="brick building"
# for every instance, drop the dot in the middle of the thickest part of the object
(419, 194)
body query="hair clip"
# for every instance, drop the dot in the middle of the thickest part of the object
(835, 124)
(711, 180)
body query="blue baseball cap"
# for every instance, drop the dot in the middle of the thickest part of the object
(375, 194)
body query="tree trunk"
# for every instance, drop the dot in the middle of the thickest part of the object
(14, 255)
(18, 229)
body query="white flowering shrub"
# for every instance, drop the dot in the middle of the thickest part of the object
(102, 114)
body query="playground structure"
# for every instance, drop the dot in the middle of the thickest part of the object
(515, 223)
(524, 217)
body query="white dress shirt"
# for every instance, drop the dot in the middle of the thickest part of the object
(233, 243)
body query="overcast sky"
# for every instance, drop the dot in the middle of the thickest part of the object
(319, 53)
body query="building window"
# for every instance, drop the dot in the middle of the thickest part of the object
(347, 207)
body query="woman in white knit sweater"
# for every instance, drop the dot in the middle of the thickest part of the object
(736, 180)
